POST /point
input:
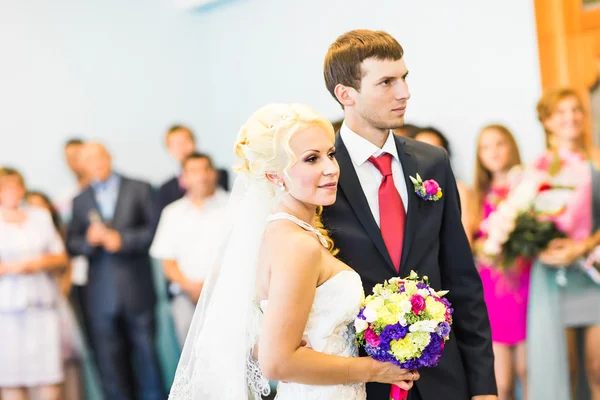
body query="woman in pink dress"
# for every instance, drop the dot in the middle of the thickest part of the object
(505, 290)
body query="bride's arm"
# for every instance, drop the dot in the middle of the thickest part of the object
(295, 268)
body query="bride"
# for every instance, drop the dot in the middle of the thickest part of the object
(277, 294)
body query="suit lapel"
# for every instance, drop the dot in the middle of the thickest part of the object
(409, 168)
(91, 199)
(350, 184)
(118, 203)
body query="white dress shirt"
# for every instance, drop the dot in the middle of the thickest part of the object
(191, 235)
(360, 149)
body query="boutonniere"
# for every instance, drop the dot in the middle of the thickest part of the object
(429, 190)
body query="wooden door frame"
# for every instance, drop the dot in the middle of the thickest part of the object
(569, 47)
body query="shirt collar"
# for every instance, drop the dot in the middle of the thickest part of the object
(360, 149)
(112, 181)
(217, 198)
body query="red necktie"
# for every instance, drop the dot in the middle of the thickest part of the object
(391, 209)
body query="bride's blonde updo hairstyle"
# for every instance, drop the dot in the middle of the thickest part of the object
(263, 144)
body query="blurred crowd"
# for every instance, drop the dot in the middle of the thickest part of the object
(78, 292)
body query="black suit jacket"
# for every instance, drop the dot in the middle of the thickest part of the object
(122, 280)
(435, 245)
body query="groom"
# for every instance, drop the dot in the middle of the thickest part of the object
(383, 229)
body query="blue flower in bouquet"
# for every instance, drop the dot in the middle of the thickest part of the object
(443, 329)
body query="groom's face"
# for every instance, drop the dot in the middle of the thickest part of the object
(383, 95)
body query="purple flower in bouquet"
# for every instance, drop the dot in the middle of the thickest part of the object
(443, 329)
(393, 332)
(361, 314)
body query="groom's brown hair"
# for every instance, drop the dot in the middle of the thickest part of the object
(345, 56)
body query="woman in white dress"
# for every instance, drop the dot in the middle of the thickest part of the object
(30, 249)
(277, 282)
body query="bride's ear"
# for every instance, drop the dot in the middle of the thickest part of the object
(274, 178)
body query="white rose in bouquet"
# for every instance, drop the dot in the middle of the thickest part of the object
(492, 247)
(552, 201)
(524, 194)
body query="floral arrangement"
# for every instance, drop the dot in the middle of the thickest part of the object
(537, 208)
(404, 322)
(429, 190)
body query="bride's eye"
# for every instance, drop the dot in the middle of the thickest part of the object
(311, 159)
(332, 155)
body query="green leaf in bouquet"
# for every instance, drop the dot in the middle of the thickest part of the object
(411, 318)
(378, 326)
(359, 339)
(530, 236)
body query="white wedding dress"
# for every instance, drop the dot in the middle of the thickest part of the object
(216, 363)
(329, 329)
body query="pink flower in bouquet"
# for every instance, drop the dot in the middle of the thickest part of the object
(543, 163)
(431, 186)
(575, 219)
(501, 223)
(418, 303)
(372, 338)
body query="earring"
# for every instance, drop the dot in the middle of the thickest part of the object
(282, 186)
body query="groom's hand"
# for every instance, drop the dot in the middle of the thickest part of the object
(485, 397)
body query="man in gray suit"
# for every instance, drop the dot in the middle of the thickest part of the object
(112, 227)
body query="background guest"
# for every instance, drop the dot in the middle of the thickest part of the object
(434, 137)
(112, 227)
(69, 329)
(72, 153)
(188, 235)
(181, 142)
(30, 249)
(505, 289)
(576, 304)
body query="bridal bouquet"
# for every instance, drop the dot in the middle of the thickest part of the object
(404, 322)
(537, 209)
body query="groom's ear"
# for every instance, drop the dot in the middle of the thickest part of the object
(344, 95)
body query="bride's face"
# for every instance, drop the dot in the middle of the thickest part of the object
(313, 178)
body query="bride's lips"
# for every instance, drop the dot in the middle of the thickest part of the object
(329, 186)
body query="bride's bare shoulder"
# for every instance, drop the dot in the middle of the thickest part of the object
(286, 239)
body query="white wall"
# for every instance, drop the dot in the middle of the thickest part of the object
(122, 71)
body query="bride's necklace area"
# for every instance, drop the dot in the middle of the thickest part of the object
(299, 222)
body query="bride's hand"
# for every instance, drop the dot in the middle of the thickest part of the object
(385, 372)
